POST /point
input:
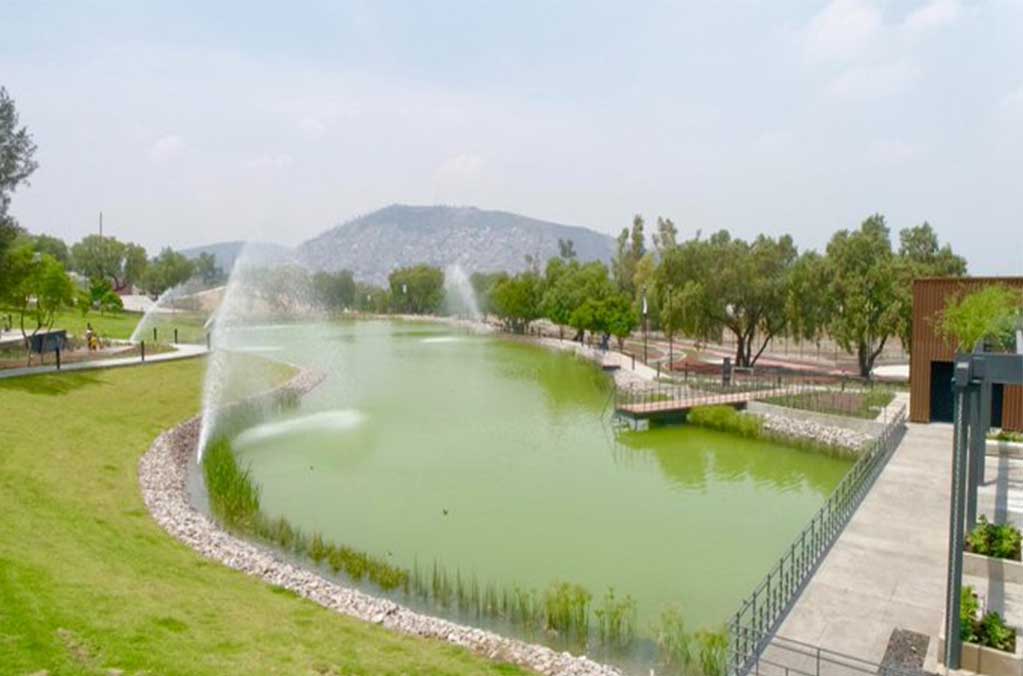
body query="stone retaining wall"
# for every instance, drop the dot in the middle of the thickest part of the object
(162, 476)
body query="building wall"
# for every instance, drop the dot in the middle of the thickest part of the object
(929, 298)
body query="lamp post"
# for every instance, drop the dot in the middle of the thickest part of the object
(671, 330)
(645, 327)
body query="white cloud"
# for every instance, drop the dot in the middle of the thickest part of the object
(935, 14)
(312, 127)
(873, 81)
(460, 169)
(890, 151)
(166, 149)
(842, 30)
(282, 161)
(1012, 104)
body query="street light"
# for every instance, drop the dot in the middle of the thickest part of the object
(645, 327)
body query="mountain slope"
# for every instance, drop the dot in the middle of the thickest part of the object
(257, 253)
(373, 245)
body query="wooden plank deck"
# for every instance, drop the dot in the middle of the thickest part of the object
(683, 405)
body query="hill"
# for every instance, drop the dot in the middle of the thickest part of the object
(257, 253)
(373, 245)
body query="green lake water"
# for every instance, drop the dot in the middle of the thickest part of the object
(497, 458)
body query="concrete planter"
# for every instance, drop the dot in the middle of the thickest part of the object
(1003, 570)
(981, 660)
(1012, 449)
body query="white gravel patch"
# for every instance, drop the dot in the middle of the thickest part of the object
(162, 475)
(839, 438)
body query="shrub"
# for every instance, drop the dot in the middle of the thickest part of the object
(1001, 541)
(726, 419)
(989, 630)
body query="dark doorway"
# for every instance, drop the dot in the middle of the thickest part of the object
(997, 394)
(942, 404)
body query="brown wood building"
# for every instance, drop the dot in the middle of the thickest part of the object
(930, 368)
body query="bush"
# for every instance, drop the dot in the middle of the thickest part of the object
(989, 631)
(726, 419)
(1001, 541)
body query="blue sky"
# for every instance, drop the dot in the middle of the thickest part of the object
(187, 123)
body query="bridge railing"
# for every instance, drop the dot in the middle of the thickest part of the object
(824, 394)
(759, 614)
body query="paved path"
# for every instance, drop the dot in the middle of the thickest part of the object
(887, 569)
(182, 351)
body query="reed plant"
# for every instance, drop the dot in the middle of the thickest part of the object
(234, 498)
(567, 609)
(726, 419)
(673, 641)
(616, 620)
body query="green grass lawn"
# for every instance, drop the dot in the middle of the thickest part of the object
(121, 324)
(89, 582)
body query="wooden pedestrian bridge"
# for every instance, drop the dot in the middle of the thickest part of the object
(657, 404)
(673, 400)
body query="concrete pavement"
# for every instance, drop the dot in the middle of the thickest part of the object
(181, 351)
(887, 568)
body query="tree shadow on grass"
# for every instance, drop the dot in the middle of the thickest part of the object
(54, 384)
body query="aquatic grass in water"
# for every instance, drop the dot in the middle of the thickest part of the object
(567, 609)
(616, 620)
(726, 419)
(562, 609)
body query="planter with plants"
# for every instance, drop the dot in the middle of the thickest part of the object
(993, 552)
(989, 645)
(1005, 442)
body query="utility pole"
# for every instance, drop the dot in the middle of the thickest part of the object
(101, 224)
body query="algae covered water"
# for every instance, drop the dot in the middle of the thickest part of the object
(497, 458)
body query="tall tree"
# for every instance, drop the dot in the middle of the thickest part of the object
(865, 290)
(40, 290)
(334, 291)
(517, 300)
(666, 237)
(167, 270)
(920, 255)
(96, 256)
(54, 246)
(731, 285)
(629, 250)
(566, 249)
(207, 270)
(17, 152)
(418, 289)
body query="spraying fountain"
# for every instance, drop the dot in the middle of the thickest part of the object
(459, 296)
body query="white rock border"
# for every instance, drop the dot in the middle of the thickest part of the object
(163, 472)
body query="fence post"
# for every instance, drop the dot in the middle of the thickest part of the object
(58, 357)
(142, 347)
(633, 362)
(175, 335)
(154, 334)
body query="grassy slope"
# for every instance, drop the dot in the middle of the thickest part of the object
(119, 325)
(89, 582)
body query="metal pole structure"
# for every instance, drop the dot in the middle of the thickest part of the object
(976, 443)
(953, 638)
(985, 417)
(646, 359)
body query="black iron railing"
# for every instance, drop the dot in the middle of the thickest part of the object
(753, 625)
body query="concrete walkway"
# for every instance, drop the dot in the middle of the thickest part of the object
(181, 351)
(887, 569)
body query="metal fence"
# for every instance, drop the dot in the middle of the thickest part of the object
(822, 394)
(785, 657)
(752, 626)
